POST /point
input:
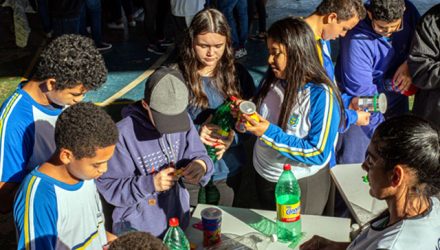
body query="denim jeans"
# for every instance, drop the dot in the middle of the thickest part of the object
(227, 8)
(116, 12)
(261, 10)
(63, 26)
(91, 11)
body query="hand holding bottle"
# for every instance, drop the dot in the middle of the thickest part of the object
(402, 78)
(256, 127)
(234, 108)
(363, 118)
(208, 134)
(210, 137)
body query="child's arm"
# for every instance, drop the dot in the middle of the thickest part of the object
(313, 149)
(194, 172)
(121, 185)
(36, 215)
(199, 158)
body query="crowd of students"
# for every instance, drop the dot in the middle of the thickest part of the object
(58, 154)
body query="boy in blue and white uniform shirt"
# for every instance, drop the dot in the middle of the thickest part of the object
(58, 206)
(68, 67)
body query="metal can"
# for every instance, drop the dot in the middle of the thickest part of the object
(212, 223)
(377, 103)
(248, 108)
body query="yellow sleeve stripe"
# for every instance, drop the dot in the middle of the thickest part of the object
(27, 240)
(88, 240)
(6, 110)
(321, 146)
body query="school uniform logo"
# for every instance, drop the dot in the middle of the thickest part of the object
(294, 120)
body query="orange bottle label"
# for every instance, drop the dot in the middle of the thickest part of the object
(288, 213)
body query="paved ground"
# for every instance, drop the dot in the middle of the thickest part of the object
(128, 59)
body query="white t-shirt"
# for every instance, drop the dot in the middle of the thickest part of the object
(421, 232)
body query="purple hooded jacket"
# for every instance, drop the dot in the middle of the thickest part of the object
(128, 184)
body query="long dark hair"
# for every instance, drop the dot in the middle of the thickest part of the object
(414, 142)
(303, 64)
(225, 79)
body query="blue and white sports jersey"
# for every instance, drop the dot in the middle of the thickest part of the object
(26, 135)
(310, 135)
(50, 214)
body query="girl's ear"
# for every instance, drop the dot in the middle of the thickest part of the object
(397, 176)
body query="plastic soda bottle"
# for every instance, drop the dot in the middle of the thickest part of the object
(288, 196)
(222, 117)
(175, 238)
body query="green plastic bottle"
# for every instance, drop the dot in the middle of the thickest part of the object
(175, 238)
(288, 197)
(222, 117)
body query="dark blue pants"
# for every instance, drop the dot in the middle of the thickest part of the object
(91, 11)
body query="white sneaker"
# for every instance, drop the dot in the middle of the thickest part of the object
(132, 23)
(240, 53)
(103, 46)
(116, 26)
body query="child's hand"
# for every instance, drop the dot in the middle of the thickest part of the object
(194, 171)
(402, 78)
(208, 134)
(234, 108)
(354, 104)
(165, 179)
(222, 145)
(363, 118)
(256, 127)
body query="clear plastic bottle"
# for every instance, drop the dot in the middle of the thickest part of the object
(254, 241)
(288, 197)
(175, 238)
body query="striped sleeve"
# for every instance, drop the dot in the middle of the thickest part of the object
(15, 140)
(316, 147)
(35, 215)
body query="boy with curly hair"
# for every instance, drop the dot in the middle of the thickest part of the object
(371, 57)
(137, 241)
(68, 67)
(57, 206)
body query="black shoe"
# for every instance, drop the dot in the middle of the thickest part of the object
(156, 49)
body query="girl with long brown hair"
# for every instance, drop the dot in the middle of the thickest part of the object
(207, 64)
(300, 115)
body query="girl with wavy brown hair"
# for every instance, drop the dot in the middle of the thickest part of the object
(207, 64)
